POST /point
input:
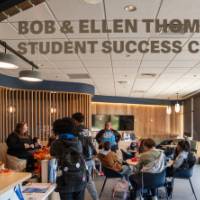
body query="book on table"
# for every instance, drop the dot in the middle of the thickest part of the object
(36, 188)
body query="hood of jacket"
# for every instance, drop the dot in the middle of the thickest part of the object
(155, 166)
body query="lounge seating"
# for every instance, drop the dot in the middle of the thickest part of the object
(11, 162)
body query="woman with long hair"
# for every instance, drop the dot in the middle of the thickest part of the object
(19, 145)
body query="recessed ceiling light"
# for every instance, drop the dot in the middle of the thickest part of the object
(92, 1)
(148, 75)
(130, 8)
(122, 82)
(7, 61)
(30, 75)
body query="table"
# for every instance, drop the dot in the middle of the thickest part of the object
(173, 146)
(8, 182)
(39, 196)
(130, 162)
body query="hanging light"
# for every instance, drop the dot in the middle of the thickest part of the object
(92, 1)
(177, 105)
(7, 61)
(30, 76)
(169, 110)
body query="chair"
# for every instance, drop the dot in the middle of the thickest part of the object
(126, 155)
(150, 181)
(109, 173)
(185, 174)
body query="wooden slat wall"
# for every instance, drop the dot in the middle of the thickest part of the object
(39, 109)
(150, 121)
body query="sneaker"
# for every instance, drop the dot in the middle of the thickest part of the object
(154, 198)
(101, 174)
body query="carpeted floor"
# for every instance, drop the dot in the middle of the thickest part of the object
(182, 190)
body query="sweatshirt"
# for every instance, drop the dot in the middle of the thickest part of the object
(110, 160)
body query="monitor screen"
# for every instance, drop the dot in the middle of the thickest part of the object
(119, 122)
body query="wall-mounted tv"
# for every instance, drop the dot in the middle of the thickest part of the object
(119, 122)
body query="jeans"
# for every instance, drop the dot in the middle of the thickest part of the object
(136, 182)
(90, 185)
(126, 172)
(72, 195)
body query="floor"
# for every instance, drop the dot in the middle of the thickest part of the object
(182, 190)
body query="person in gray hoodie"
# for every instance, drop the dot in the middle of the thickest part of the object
(151, 160)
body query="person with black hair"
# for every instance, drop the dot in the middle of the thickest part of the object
(37, 143)
(184, 159)
(88, 151)
(72, 171)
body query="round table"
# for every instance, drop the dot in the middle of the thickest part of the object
(130, 162)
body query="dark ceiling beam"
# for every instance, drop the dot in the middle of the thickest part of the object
(6, 4)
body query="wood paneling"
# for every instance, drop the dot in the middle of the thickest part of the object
(39, 109)
(196, 116)
(150, 121)
(188, 117)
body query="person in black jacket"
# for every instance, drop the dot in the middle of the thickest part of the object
(89, 151)
(67, 149)
(108, 135)
(20, 145)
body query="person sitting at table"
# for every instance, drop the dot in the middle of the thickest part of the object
(37, 143)
(183, 158)
(20, 145)
(110, 160)
(51, 139)
(108, 135)
(150, 161)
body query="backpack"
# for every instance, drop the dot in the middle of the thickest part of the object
(88, 149)
(72, 165)
(120, 190)
(189, 162)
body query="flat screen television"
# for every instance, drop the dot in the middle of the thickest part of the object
(119, 122)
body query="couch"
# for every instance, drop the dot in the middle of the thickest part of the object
(11, 162)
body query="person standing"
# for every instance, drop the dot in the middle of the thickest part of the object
(108, 135)
(88, 151)
(72, 171)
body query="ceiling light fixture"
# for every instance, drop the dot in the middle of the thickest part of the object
(7, 61)
(30, 75)
(177, 105)
(92, 1)
(130, 8)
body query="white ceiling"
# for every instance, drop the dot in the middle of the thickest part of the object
(174, 72)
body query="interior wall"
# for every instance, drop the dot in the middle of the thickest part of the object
(150, 120)
(39, 109)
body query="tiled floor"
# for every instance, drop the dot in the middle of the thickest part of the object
(182, 190)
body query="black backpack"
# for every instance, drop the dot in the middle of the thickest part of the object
(86, 140)
(88, 150)
(73, 166)
(189, 162)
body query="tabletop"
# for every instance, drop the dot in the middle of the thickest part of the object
(10, 180)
